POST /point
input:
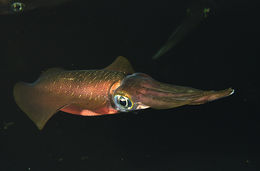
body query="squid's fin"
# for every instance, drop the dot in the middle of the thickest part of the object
(39, 106)
(121, 64)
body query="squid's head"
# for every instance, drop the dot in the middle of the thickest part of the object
(140, 91)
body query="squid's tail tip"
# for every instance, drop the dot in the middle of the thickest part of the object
(40, 127)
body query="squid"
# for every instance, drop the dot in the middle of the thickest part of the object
(114, 89)
(197, 12)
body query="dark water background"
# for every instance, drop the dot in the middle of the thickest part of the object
(223, 52)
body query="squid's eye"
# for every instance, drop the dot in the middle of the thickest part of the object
(17, 6)
(123, 103)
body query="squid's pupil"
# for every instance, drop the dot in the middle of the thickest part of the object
(123, 102)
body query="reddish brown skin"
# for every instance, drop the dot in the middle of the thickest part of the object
(88, 91)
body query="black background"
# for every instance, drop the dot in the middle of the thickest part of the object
(222, 52)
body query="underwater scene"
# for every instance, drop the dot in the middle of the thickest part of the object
(100, 85)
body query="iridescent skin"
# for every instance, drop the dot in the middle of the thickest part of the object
(111, 90)
(88, 91)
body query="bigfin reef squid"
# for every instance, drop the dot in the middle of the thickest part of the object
(114, 89)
